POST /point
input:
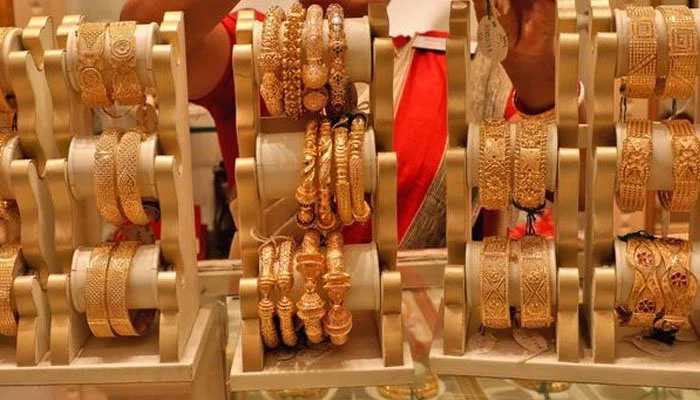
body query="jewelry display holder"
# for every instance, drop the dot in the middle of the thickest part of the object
(268, 170)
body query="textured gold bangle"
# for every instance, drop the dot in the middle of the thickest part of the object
(5, 106)
(9, 215)
(96, 290)
(678, 283)
(11, 264)
(266, 307)
(270, 61)
(682, 51)
(535, 286)
(493, 282)
(530, 170)
(686, 167)
(494, 164)
(314, 73)
(634, 170)
(285, 283)
(126, 87)
(641, 60)
(360, 209)
(338, 79)
(90, 65)
(310, 264)
(291, 61)
(128, 179)
(645, 299)
(306, 191)
(336, 283)
(105, 176)
(327, 220)
(342, 183)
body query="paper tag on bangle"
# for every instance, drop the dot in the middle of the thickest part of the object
(653, 347)
(492, 39)
(531, 340)
(481, 343)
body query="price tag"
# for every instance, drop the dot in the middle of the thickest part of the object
(531, 340)
(481, 343)
(653, 347)
(492, 39)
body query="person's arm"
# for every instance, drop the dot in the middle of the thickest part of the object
(208, 44)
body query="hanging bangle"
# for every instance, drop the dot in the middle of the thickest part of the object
(270, 60)
(641, 60)
(11, 265)
(90, 66)
(342, 184)
(338, 47)
(126, 87)
(266, 307)
(306, 191)
(314, 72)
(5, 106)
(128, 179)
(494, 164)
(327, 219)
(678, 283)
(338, 320)
(105, 176)
(285, 283)
(291, 61)
(311, 307)
(493, 282)
(535, 286)
(633, 171)
(530, 169)
(96, 291)
(682, 51)
(686, 153)
(645, 299)
(360, 209)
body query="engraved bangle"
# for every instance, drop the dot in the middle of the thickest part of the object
(493, 282)
(314, 73)
(682, 51)
(336, 283)
(535, 286)
(678, 283)
(266, 307)
(327, 220)
(306, 191)
(5, 106)
(360, 209)
(641, 60)
(530, 164)
(270, 61)
(126, 87)
(291, 61)
(90, 65)
(686, 167)
(634, 170)
(11, 265)
(96, 290)
(338, 78)
(494, 164)
(645, 299)
(105, 176)
(310, 263)
(285, 282)
(342, 184)
(128, 179)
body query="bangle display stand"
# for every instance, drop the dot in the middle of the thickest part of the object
(267, 173)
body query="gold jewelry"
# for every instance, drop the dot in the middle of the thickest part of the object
(90, 66)
(126, 87)
(494, 164)
(306, 191)
(105, 176)
(682, 51)
(266, 307)
(338, 47)
(493, 282)
(342, 184)
(361, 211)
(285, 283)
(314, 73)
(530, 170)
(5, 106)
(645, 299)
(96, 290)
(11, 265)
(291, 61)
(338, 320)
(678, 282)
(686, 167)
(633, 171)
(641, 60)
(315, 100)
(327, 219)
(128, 179)
(270, 60)
(9, 216)
(535, 287)
(310, 264)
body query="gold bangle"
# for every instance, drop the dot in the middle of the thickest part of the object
(360, 209)
(96, 290)
(530, 170)
(686, 167)
(682, 51)
(306, 191)
(641, 61)
(5, 106)
(266, 307)
(336, 283)
(633, 171)
(342, 184)
(645, 299)
(11, 265)
(535, 286)
(310, 264)
(126, 87)
(314, 73)
(105, 176)
(128, 179)
(494, 164)
(493, 282)
(678, 283)
(338, 80)
(327, 220)
(291, 61)
(90, 66)
(285, 282)
(270, 60)
(12, 227)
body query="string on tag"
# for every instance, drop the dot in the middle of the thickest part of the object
(531, 216)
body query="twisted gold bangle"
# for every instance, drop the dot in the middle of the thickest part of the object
(342, 184)
(633, 171)
(11, 265)
(126, 87)
(530, 170)
(266, 307)
(270, 60)
(494, 164)
(306, 191)
(285, 283)
(686, 167)
(90, 65)
(535, 287)
(314, 73)
(645, 299)
(291, 61)
(361, 211)
(96, 290)
(641, 61)
(682, 51)
(5, 106)
(128, 178)
(310, 264)
(338, 47)
(327, 219)
(338, 320)
(493, 282)
(679, 284)
(105, 176)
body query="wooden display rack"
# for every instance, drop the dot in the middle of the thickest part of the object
(267, 173)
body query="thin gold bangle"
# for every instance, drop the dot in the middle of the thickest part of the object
(361, 211)
(126, 87)
(641, 61)
(291, 61)
(645, 299)
(338, 79)
(96, 290)
(535, 286)
(678, 283)
(11, 264)
(90, 65)
(266, 307)
(327, 220)
(285, 282)
(494, 164)
(128, 178)
(493, 282)
(686, 167)
(634, 169)
(336, 283)
(682, 51)
(270, 61)
(314, 73)
(310, 264)
(530, 164)
(306, 191)
(342, 184)
(5, 106)
(105, 176)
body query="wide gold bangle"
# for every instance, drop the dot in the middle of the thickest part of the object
(291, 61)
(645, 299)
(361, 211)
(5, 106)
(105, 176)
(682, 51)
(336, 283)
(11, 264)
(530, 164)
(535, 286)
(494, 164)
(338, 79)
(493, 282)
(342, 183)
(126, 87)
(310, 264)
(633, 171)
(285, 282)
(314, 73)
(128, 178)
(686, 167)
(96, 290)
(270, 60)
(266, 307)
(678, 283)
(641, 60)
(306, 191)
(327, 220)
(90, 65)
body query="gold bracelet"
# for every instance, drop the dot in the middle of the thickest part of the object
(310, 264)
(645, 299)
(686, 167)
(285, 283)
(96, 290)
(338, 80)
(306, 191)
(641, 60)
(126, 87)
(361, 211)
(494, 164)
(678, 282)
(11, 265)
(105, 176)
(9, 215)
(535, 286)
(128, 179)
(682, 51)
(336, 283)
(5, 106)
(314, 73)
(270, 60)
(90, 65)
(327, 220)
(342, 184)
(291, 61)
(266, 307)
(493, 282)
(530, 170)
(633, 171)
